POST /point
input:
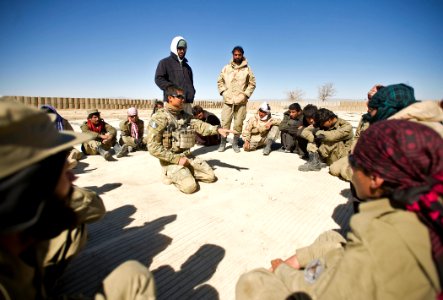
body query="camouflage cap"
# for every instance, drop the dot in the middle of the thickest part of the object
(28, 135)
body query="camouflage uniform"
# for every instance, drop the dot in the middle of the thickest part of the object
(91, 147)
(336, 144)
(163, 130)
(256, 133)
(126, 138)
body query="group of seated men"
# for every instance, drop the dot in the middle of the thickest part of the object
(395, 238)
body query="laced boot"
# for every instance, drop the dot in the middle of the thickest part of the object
(267, 148)
(121, 151)
(313, 163)
(235, 144)
(106, 154)
(222, 146)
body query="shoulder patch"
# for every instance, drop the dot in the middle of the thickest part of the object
(153, 124)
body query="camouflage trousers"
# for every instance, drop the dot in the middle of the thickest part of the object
(341, 168)
(257, 140)
(261, 284)
(184, 178)
(236, 112)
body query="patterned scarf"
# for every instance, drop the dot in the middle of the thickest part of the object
(409, 156)
(134, 130)
(390, 100)
(95, 128)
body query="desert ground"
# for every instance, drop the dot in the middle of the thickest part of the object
(197, 246)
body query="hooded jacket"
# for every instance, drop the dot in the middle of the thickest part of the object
(171, 71)
(236, 83)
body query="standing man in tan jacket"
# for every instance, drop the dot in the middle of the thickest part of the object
(236, 83)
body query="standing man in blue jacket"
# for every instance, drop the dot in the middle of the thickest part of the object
(175, 71)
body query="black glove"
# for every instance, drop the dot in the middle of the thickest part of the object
(319, 138)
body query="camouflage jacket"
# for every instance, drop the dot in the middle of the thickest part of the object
(256, 126)
(236, 83)
(159, 125)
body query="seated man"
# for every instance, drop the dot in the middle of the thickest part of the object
(308, 121)
(105, 137)
(43, 218)
(291, 127)
(261, 130)
(330, 140)
(62, 124)
(208, 117)
(131, 131)
(394, 239)
(158, 104)
(171, 135)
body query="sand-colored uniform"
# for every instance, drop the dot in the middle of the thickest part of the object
(341, 167)
(91, 146)
(387, 256)
(31, 279)
(125, 134)
(162, 138)
(337, 142)
(256, 132)
(236, 83)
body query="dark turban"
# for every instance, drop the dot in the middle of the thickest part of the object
(390, 100)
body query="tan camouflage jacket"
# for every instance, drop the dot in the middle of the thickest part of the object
(236, 83)
(158, 126)
(255, 126)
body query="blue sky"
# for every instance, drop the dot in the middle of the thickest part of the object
(111, 48)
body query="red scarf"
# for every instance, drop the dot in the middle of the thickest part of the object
(409, 156)
(97, 128)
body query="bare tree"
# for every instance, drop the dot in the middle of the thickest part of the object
(326, 91)
(296, 95)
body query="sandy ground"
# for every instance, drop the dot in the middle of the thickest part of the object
(197, 246)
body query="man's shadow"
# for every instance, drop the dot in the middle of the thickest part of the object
(110, 244)
(343, 212)
(217, 162)
(187, 283)
(104, 188)
(204, 150)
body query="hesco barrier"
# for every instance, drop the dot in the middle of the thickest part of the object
(108, 103)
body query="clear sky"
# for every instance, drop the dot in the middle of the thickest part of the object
(110, 48)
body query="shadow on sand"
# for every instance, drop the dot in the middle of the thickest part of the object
(111, 244)
(187, 283)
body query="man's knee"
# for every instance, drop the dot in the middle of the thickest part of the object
(130, 280)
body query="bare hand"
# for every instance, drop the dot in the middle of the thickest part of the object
(246, 145)
(268, 125)
(293, 262)
(275, 263)
(183, 161)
